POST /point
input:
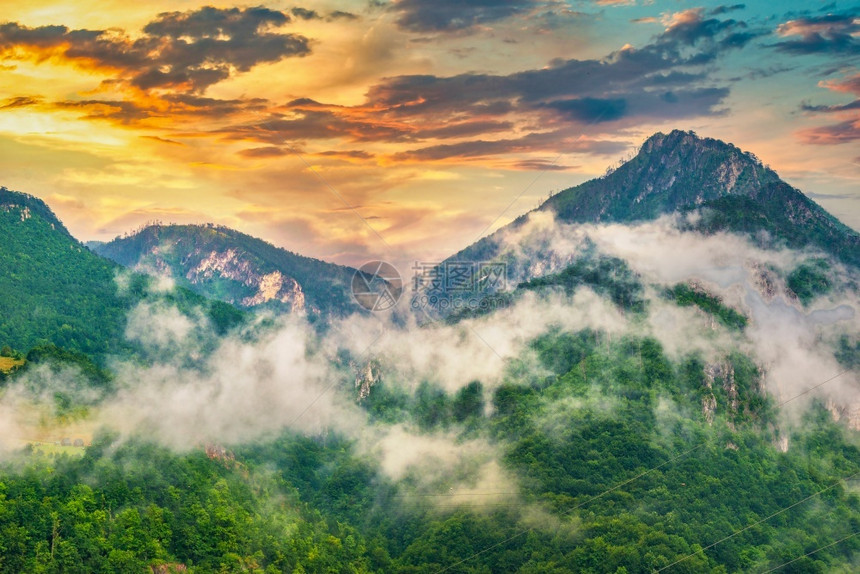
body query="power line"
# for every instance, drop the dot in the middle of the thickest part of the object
(811, 553)
(628, 481)
(754, 524)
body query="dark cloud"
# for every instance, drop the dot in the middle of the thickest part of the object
(181, 51)
(692, 29)
(316, 125)
(634, 73)
(855, 105)
(739, 39)
(830, 34)
(305, 14)
(169, 105)
(194, 105)
(762, 73)
(119, 111)
(543, 141)
(541, 165)
(20, 102)
(263, 152)
(162, 140)
(209, 22)
(455, 15)
(724, 9)
(465, 129)
(547, 108)
(106, 49)
(341, 15)
(347, 154)
(591, 110)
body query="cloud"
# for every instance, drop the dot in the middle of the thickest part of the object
(633, 72)
(830, 34)
(342, 15)
(849, 85)
(453, 15)
(20, 102)
(182, 51)
(305, 14)
(159, 78)
(591, 109)
(790, 344)
(543, 141)
(843, 132)
(263, 152)
(633, 85)
(349, 154)
(725, 9)
(541, 165)
(855, 105)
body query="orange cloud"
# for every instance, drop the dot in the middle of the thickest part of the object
(178, 51)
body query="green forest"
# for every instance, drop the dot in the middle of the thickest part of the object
(618, 455)
(618, 470)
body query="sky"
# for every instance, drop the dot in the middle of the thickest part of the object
(404, 130)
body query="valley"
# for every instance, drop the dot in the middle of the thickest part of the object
(657, 392)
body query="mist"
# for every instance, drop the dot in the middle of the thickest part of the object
(249, 387)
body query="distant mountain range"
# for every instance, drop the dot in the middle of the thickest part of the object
(616, 411)
(225, 264)
(682, 172)
(57, 290)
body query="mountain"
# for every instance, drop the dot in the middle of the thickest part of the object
(224, 264)
(56, 291)
(623, 414)
(682, 172)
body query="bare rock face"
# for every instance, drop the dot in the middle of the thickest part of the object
(23, 211)
(225, 264)
(276, 286)
(219, 453)
(765, 280)
(709, 405)
(366, 376)
(230, 266)
(725, 372)
(234, 265)
(851, 414)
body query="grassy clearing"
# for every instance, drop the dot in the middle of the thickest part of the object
(9, 363)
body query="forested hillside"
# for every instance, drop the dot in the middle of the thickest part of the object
(676, 394)
(230, 266)
(55, 291)
(618, 470)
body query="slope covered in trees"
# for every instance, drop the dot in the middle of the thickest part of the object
(619, 470)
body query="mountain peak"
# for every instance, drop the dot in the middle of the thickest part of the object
(670, 172)
(28, 206)
(688, 141)
(226, 264)
(682, 171)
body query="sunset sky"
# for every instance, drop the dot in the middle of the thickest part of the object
(352, 130)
